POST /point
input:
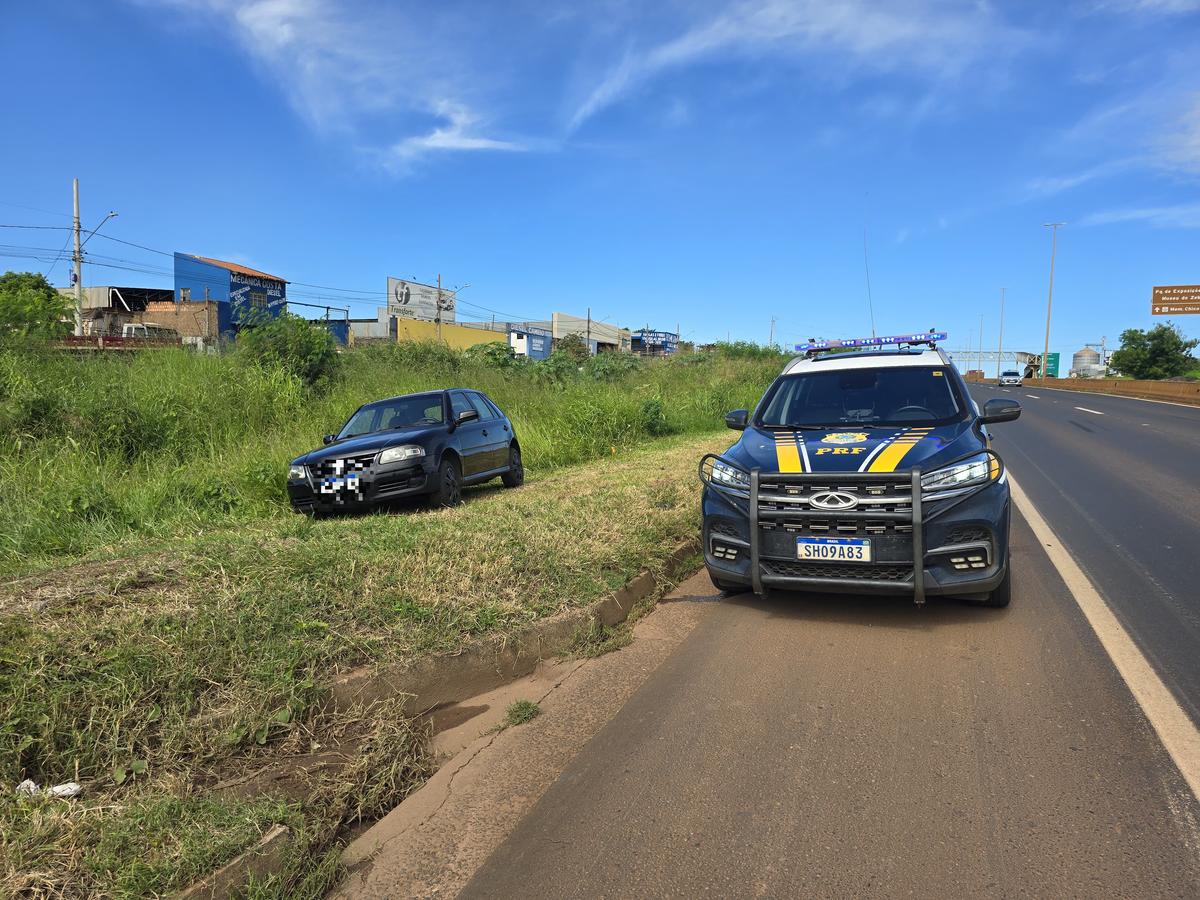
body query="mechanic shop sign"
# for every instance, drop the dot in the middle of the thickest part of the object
(1175, 300)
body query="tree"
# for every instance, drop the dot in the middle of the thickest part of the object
(29, 306)
(1161, 352)
(574, 346)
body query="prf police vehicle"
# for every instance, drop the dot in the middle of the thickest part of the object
(865, 468)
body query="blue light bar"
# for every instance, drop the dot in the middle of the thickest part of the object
(925, 337)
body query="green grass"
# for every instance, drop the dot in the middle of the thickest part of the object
(150, 842)
(520, 712)
(169, 622)
(103, 450)
(211, 653)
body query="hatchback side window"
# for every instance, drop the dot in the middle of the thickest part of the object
(459, 404)
(492, 406)
(480, 405)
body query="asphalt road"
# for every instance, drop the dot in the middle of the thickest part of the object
(841, 746)
(845, 747)
(1118, 480)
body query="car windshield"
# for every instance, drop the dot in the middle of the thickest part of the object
(910, 395)
(402, 412)
(1010, 373)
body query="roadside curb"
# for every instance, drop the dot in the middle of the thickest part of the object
(433, 682)
(263, 859)
(438, 680)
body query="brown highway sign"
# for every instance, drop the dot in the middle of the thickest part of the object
(1175, 299)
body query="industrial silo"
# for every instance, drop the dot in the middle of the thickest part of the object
(1086, 363)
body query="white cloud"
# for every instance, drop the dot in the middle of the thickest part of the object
(351, 68)
(1046, 186)
(1167, 7)
(456, 134)
(1186, 215)
(936, 37)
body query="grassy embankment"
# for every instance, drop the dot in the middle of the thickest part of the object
(182, 624)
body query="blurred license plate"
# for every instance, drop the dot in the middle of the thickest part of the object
(333, 484)
(834, 549)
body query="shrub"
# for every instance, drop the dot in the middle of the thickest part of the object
(575, 347)
(293, 344)
(611, 366)
(494, 353)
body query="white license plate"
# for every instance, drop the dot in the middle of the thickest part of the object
(853, 550)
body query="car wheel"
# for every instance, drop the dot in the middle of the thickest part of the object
(449, 484)
(515, 476)
(1001, 596)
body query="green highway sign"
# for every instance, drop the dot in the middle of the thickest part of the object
(1051, 365)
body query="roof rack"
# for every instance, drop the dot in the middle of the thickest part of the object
(929, 338)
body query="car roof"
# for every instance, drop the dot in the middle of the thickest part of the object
(406, 396)
(867, 359)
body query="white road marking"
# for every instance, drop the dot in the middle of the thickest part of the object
(1176, 731)
(1122, 397)
(1094, 412)
(1034, 396)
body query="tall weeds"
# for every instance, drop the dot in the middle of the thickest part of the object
(100, 449)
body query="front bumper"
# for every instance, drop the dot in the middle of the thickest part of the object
(961, 543)
(321, 492)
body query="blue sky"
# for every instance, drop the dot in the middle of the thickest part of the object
(707, 163)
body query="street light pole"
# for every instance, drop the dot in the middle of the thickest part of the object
(1053, 226)
(1000, 347)
(981, 346)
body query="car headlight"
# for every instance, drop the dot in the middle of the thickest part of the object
(968, 473)
(399, 454)
(296, 473)
(730, 476)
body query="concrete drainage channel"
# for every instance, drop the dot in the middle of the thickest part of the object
(433, 684)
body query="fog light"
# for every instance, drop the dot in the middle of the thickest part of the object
(721, 550)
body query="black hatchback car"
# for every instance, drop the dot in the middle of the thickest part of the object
(430, 444)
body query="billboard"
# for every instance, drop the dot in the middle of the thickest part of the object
(413, 300)
(1175, 299)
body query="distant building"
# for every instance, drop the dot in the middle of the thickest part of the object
(107, 309)
(600, 337)
(237, 289)
(645, 342)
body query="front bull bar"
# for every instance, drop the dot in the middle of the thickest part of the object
(915, 516)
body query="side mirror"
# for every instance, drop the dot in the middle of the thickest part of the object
(1000, 410)
(329, 439)
(466, 415)
(737, 420)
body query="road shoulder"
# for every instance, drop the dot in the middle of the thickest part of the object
(432, 844)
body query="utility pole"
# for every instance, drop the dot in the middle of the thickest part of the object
(1000, 346)
(771, 339)
(1053, 226)
(589, 330)
(78, 257)
(437, 315)
(981, 346)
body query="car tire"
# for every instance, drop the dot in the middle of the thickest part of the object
(1001, 596)
(448, 491)
(515, 476)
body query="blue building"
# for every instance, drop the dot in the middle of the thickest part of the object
(529, 340)
(654, 343)
(238, 289)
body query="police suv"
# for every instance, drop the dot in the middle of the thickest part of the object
(865, 468)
